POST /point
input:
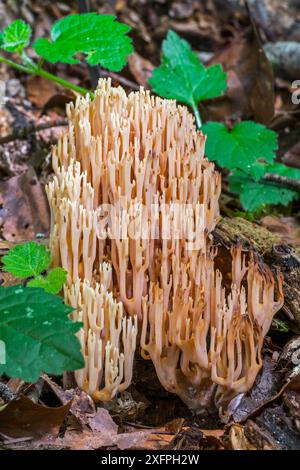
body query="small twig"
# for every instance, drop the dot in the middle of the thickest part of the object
(10, 440)
(24, 131)
(6, 393)
(119, 78)
(283, 181)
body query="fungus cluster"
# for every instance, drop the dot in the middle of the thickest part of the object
(133, 202)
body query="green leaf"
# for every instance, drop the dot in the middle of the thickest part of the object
(37, 333)
(15, 36)
(242, 147)
(254, 194)
(100, 37)
(28, 259)
(51, 283)
(283, 170)
(182, 76)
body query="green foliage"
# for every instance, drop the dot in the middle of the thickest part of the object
(38, 334)
(32, 259)
(52, 282)
(27, 259)
(15, 36)
(242, 147)
(248, 150)
(183, 77)
(103, 39)
(100, 39)
(255, 193)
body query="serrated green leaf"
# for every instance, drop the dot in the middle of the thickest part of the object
(15, 36)
(37, 333)
(242, 147)
(254, 194)
(51, 283)
(283, 170)
(182, 76)
(103, 39)
(28, 259)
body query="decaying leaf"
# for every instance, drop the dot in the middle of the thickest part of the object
(24, 418)
(24, 211)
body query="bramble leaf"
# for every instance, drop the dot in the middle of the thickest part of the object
(181, 75)
(15, 36)
(242, 147)
(51, 283)
(27, 259)
(254, 194)
(100, 37)
(37, 333)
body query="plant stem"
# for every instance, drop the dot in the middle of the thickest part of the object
(65, 83)
(43, 73)
(197, 115)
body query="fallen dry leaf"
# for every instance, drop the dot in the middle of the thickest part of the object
(238, 439)
(287, 228)
(102, 422)
(251, 82)
(103, 433)
(22, 417)
(140, 68)
(40, 90)
(83, 406)
(292, 156)
(24, 210)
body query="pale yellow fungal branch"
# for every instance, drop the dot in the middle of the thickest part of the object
(208, 344)
(108, 337)
(133, 202)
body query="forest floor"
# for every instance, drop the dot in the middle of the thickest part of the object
(32, 118)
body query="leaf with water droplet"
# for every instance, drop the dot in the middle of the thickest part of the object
(242, 147)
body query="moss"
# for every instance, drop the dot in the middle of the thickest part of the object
(236, 229)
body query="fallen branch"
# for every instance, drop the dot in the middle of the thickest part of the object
(23, 132)
(122, 80)
(284, 181)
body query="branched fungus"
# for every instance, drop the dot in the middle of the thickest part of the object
(133, 191)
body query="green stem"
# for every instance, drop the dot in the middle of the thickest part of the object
(197, 115)
(43, 73)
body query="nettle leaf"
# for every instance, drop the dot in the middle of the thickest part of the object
(15, 36)
(242, 147)
(283, 170)
(182, 76)
(51, 283)
(254, 194)
(103, 39)
(28, 259)
(37, 333)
